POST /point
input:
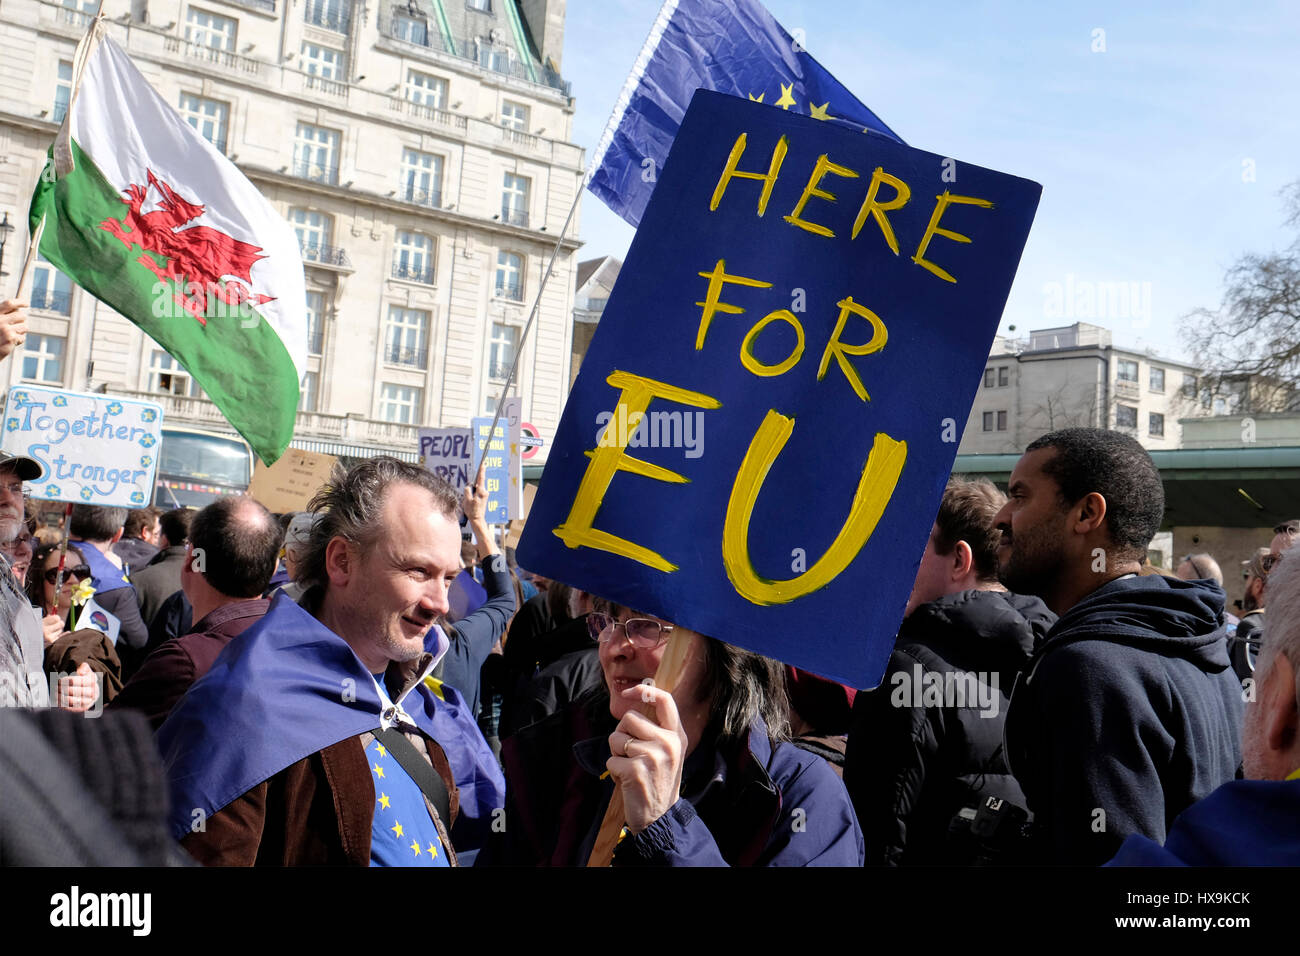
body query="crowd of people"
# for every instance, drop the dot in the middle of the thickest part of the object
(374, 682)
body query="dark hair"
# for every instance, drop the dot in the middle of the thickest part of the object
(236, 545)
(1117, 468)
(351, 507)
(138, 520)
(966, 514)
(96, 522)
(176, 525)
(739, 685)
(36, 574)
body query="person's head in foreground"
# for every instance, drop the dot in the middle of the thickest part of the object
(1271, 735)
(1083, 505)
(962, 552)
(381, 557)
(40, 583)
(19, 551)
(1200, 567)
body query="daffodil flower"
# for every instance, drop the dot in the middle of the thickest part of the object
(83, 593)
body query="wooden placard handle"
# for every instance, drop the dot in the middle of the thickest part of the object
(671, 666)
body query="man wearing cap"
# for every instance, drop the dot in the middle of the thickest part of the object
(22, 642)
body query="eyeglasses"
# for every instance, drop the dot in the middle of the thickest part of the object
(1266, 564)
(641, 631)
(1288, 527)
(79, 572)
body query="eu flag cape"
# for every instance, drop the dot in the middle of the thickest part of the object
(289, 687)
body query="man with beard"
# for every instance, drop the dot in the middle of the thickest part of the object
(1128, 712)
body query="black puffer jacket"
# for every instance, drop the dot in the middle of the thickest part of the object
(928, 741)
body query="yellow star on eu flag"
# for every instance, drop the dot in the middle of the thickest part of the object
(787, 100)
(397, 829)
(820, 112)
(756, 99)
(433, 850)
(416, 847)
(382, 751)
(377, 769)
(384, 801)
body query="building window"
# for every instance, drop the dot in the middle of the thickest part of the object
(1126, 416)
(51, 289)
(990, 377)
(210, 30)
(314, 230)
(307, 392)
(316, 154)
(514, 116)
(330, 14)
(208, 117)
(62, 90)
(413, 257)
(510, 276)
(410, 25)
(1156, 425)
(322, 61)
(168, 376)
(315, 320)
(1126, 370)
(426, 90)
(498, 59)
(1157, 380)
(505, 340)
(400, 404)
(514, 200)
(43, 359)
(1003, 377)
(1002, 421)
(483, 5)
(988, 421)
(421, 180)
(407, 337)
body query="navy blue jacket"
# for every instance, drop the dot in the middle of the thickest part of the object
(744, 802)
(1243, 823)
(473, 636)
(1127, 713)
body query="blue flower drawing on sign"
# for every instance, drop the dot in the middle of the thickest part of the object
(146, 461)
(86, 494)
(60, 401)
(148, 415)
(52, 491)
(12, 424)
(115, 408)
(147, 441)
(137, 497)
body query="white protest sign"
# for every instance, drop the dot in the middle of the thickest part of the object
(449, 454)
(512, 413)
(97, 449)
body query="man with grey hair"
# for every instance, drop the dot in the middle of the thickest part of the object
(1251, 822)
(317, 737)
(95, 529)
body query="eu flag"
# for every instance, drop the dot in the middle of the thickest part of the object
(728, 46)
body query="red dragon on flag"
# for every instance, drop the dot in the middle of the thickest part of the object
(201, 260)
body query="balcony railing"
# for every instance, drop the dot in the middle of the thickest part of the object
(510, 290)
(336, 16)
(397, 355)
(332, 87)
(397, 24)
(315, 339)
(326, 255)
(422, 274)
(198, 51)
(519, 138)
(426, 112)
(75, 17)
(514, 217)
(317, 172)
(52, 301)
(421, 197)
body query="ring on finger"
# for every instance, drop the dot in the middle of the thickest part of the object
(627, 742)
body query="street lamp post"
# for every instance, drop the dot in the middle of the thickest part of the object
(6, 230)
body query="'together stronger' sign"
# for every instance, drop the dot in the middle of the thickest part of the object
(826, 301)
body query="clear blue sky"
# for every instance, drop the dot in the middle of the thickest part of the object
(1146, 151)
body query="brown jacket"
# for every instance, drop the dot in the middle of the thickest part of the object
(318, 811)
(88, 646)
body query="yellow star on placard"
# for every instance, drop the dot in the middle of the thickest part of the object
(383, 800)
(397, 829)
(433, 850)
(819, 112)
(377, 769)
(416, 847)
(756, 99)
(382, 751)
(787, 100)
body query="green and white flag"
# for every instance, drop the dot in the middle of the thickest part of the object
(145, 215)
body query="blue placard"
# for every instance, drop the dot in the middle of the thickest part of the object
(497, 473)
(95, 448)
(757, 442)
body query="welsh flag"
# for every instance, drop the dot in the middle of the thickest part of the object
(147, 216)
